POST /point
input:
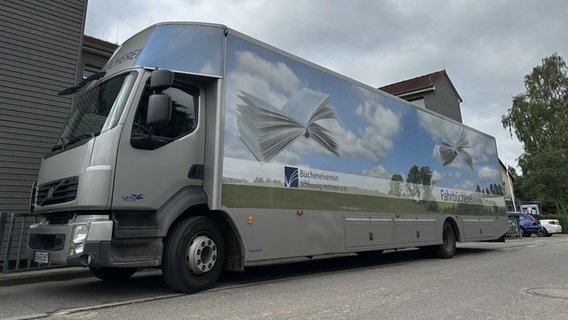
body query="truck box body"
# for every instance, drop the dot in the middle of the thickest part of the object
(287, 159)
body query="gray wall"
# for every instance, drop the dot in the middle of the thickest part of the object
(40, 46)
(446, 100)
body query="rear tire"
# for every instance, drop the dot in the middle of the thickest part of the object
(113, 274)
(194, 252)
(447, 249)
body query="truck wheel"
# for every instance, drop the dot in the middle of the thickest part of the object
(447, 249)
(113, 274)
(194, 253)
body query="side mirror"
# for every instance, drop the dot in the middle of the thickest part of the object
(159, 110)
(161, 80)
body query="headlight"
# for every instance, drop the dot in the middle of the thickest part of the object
(80, 233)
(77, 249)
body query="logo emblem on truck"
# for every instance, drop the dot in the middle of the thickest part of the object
(291, 177)
(133, 197)
(50, 192)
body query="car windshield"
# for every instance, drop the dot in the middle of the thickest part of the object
(97, 110)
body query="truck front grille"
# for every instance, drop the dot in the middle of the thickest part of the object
(55, 192)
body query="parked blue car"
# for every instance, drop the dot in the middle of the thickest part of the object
(527, 223)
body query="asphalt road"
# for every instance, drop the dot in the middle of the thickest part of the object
(521, 279)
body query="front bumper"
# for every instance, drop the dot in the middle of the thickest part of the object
(67, 243)
(87, 241)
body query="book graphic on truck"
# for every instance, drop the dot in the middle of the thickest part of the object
(266, 130)
(242, 153)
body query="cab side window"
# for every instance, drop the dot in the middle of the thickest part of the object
(183, 119)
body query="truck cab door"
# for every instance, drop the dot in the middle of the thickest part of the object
(154, 163)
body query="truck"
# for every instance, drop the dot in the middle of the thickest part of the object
(198, 149)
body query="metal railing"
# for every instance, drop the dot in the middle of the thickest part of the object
(15, 256)
(514, 227)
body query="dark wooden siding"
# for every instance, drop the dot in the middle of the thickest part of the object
(96, 53)
(40, 46)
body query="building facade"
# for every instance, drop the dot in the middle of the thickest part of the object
(40, 52)
(434, 91)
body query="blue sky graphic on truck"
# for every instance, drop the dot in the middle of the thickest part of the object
(375, 135)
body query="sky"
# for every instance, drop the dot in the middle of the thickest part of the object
(487, 47)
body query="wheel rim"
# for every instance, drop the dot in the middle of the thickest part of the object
(202, 255)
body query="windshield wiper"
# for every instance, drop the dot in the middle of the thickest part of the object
(73, 89)
(63, 145)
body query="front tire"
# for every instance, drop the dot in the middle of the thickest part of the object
(194, 252)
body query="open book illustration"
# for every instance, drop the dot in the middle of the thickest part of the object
(266, 130)
(450, 150)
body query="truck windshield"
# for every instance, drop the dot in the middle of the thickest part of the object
(97, 110)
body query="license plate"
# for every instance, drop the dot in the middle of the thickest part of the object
(41, 257)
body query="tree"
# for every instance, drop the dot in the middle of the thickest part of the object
(539, 119)
(413, 183)
(419, 183)
(396, 185)
(426, 181)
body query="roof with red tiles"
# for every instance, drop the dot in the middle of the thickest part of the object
(419, 83)
(99, 42)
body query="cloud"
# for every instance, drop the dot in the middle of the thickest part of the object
(278, 74)
(466, 185)
(437, 178)
(489, 174)
(378, 172)
(375, 139)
